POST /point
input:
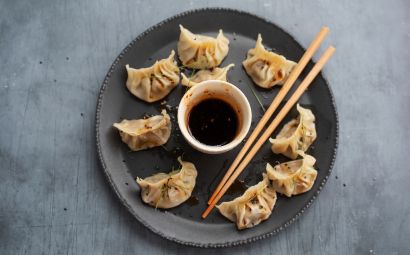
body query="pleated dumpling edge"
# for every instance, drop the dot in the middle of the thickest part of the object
(297, 134)
(168, 190)
(252, 207)
(217, 73)
(143, 134)
(293, 177)
(155, 82)
(266, 68)
(200, 51)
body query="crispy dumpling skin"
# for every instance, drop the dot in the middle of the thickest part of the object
(207, 74)
(266, 68)
(145, 133)
(155, 82)
(253, 207)
(169, 190)
(201, 51)
(293, 177)
(297, 134)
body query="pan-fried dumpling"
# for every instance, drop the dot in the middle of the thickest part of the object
(145, 133)
(201, 51)
(169, 190)
(155, 82)
(267, 68)
(253, 207)
(208, 74)
(293, 177)
(297, 134)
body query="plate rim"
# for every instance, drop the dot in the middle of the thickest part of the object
(125, 203)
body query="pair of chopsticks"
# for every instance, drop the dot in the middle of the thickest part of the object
(236, 169)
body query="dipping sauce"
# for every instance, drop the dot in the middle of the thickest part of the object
(213, 122)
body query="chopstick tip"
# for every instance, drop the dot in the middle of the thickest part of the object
(331, 48)
(205, 214)
(208, 210)
(326, 28)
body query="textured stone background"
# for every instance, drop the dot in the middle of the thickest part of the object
(53, 58)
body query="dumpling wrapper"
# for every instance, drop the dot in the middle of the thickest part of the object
(145, 133)
(201, 51)
(208, 74)
(155, 82)
(266, 68)
(169, 190)
(253, 207)
(297, 134)
(293, 177)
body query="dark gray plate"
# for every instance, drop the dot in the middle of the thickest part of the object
(184, 224)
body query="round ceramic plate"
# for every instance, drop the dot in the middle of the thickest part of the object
(183, 224)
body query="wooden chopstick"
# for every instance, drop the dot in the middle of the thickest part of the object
(275, 103)
(271, 128)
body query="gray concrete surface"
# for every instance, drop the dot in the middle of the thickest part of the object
(53, 58)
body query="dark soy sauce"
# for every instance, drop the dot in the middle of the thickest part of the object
(213, 122)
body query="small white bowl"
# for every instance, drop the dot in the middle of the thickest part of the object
(220, 90)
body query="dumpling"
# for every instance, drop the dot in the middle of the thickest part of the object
(155, 82)
(204, 75)
(169, 190)
(145, 133)
(267, 68)
(200, 51)
(253, 207)
(293, 177)
(297, 134)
